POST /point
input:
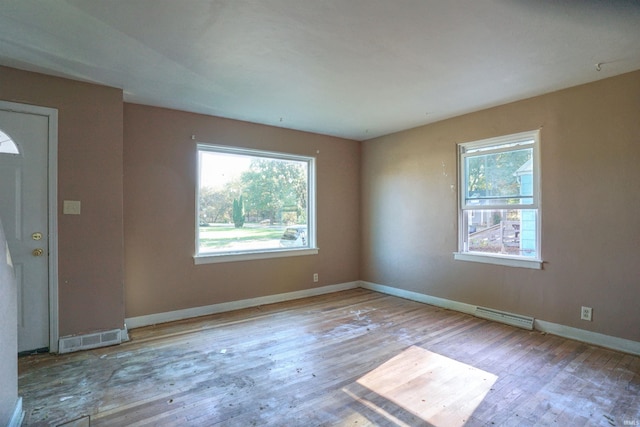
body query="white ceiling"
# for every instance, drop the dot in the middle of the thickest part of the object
(351, 68)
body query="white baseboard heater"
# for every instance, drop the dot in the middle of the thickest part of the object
(504, 317)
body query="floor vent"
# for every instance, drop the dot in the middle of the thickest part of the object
(85, 342)
(504, 317)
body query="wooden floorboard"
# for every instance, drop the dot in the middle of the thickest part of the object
(356, 358)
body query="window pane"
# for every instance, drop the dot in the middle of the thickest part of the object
(505, 231)
(249, 203)
(499, 178)
(7, 145)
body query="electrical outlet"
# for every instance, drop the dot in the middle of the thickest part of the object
(585, 313)
(315, 277)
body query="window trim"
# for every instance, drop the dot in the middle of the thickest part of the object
(497, 259)
(218, 257)
(514, 141)
(248, 256)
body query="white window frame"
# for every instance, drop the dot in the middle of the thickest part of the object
(245, 255)
(502, 143)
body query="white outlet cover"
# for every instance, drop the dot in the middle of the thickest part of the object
(585, 313)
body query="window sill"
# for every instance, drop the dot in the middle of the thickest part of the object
(248, 256)
(535, 264)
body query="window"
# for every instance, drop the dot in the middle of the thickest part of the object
(7, 145)
(253, 204)
(500, 201)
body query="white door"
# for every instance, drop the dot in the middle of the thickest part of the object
(24, 212)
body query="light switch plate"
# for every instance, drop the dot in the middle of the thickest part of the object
(71, 207)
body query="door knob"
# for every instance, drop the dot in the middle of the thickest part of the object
(37, 252)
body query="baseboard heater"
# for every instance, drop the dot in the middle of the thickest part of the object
(85, 342)
(504, 317)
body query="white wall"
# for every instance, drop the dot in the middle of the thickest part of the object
(8, 336)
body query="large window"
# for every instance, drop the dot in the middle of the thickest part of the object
(500, 200)
(253, 204)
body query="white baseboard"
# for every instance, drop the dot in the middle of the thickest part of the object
(18, 415)
(614, 343)
(607, 341)
(170, 316)
(416, 296)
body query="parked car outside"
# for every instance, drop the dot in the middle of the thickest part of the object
(294, 236)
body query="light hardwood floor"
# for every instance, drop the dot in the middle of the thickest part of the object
(350, 358)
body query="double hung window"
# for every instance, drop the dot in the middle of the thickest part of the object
(499, 216)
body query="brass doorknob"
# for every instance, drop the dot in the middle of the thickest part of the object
(37, 252)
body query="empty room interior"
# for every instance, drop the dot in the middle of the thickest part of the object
(314, 213)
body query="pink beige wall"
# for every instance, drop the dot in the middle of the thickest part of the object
(90, 250)
(159, 201)
(590, 158)
(386, 208)
(8, 335)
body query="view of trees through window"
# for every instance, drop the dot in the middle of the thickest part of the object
(495, 178)
(499, 204)
(251, 202)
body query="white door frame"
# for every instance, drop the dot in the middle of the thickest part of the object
(52, 179)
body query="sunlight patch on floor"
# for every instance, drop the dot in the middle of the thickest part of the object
(419, 383)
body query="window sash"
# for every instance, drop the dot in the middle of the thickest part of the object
(499, 145)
